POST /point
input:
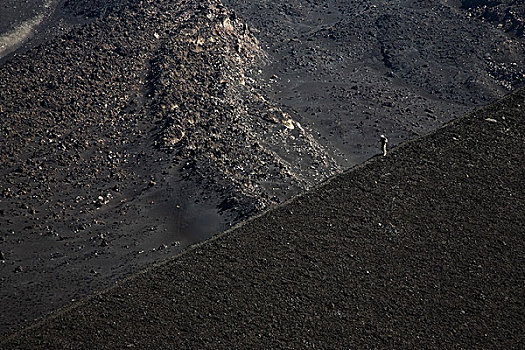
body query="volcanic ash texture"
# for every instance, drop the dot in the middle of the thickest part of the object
(150, 127)
(118, 137)
(422, 249)
(355, 69)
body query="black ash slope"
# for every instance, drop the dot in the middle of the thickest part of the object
(419, 249)
(149, 127)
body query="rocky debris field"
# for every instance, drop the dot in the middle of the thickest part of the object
(159, 103)
(422, 248)
(130, 129)
(221, 125)
(355, 69)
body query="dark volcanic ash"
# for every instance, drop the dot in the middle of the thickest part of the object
(117, 133)
(156, 123)
(356, 69)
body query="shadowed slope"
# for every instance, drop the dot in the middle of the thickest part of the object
(157, 123)
(129, 137)
(422, 248)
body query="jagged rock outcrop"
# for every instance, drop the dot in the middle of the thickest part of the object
(204, 89)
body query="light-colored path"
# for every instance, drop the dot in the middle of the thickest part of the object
(15, 37)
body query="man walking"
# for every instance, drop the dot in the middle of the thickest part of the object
(384, 141)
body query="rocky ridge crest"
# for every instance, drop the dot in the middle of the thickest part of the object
(178, 75)
(204, 87)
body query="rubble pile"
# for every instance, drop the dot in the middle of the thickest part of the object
(78, 112)
(205, 92)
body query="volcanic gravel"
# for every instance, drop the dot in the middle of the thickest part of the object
(355, 69)
(130, 129)
(422, 248)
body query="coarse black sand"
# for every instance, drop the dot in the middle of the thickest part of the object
(422, 248)
(131, 129)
